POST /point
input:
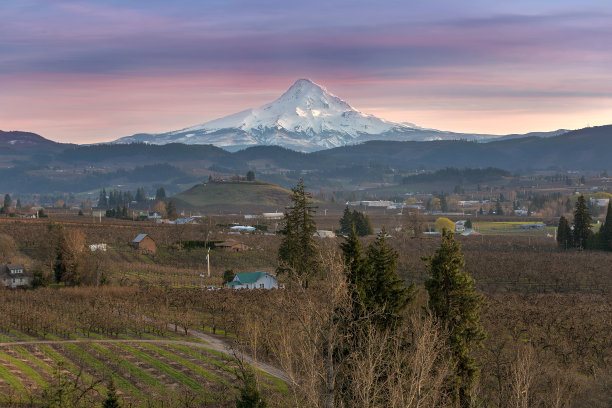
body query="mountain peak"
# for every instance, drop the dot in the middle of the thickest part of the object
(306, 117)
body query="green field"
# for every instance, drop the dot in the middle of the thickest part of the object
(145, 372)
(511, 228)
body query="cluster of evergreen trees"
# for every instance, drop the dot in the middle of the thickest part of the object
(580, 235)
(117, 198)
(355, 219)
(379, 297)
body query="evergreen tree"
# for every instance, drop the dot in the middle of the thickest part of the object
(171, 210)
(582, 223)
(468, 224)
(141, 197)
(346, 222)
(384, 292)
(298, 253)
(498, 209)
(352, 252)
(605, 232)
(6, 205)
(112, 400)
(564, 233)
(250, 397)
(360, 220)
(250, 176)
(443, 203)
(160, 194)
(454, 300)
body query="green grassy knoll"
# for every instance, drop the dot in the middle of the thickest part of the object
(234, 197)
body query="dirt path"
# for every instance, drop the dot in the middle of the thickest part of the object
(213, 343)
(220, 345)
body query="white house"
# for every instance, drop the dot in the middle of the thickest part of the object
(600, 202)
(253, 280)
(460, 226)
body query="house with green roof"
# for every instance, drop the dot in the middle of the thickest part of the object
(253, 280)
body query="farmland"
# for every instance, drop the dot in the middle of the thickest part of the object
(155, 330)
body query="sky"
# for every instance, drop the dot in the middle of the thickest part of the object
(94, 71)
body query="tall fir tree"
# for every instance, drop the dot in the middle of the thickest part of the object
(582, 224)
(384, 292)
(160, 194)
(171, 210)
(298, 254)
(453, 299)
(564, 234)
(352, 252)
(605, 232)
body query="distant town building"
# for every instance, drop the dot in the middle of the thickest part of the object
(144, 243)
(15, 276)
(242, 228)
(599, 202)
(98, 247)
(273, 215)
(253, 280)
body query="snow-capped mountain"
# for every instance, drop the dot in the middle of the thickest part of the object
(305, 118)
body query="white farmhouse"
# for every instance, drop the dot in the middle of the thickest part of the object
(253, 280)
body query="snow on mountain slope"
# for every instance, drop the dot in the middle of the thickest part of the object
(305, 118)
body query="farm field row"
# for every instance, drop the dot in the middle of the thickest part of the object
(144, 372)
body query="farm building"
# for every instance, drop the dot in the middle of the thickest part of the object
(325, 234)
(253, 280)
(232, 246)
(14, 276)
(144, 243)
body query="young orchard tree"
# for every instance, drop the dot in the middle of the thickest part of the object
(453, 299)
(582, 223)
(298, 254)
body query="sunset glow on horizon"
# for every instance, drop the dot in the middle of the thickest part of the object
(85, 71)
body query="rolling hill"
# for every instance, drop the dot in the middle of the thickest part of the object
(234, 196)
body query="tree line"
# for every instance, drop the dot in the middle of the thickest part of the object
(580, 234)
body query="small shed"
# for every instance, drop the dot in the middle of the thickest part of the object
(15, 276)
(144, 243)
(253, 280)
(232, 246)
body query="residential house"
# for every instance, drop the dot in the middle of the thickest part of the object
(144, 243)
(232, 246)
(253, 280)
(460, 226)
(15, 276)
